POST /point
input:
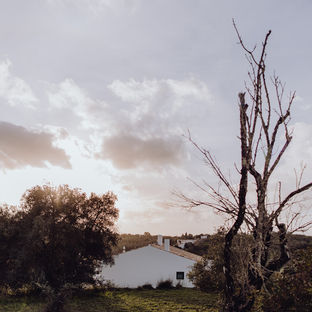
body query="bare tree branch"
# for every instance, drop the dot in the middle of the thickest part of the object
(260, 131)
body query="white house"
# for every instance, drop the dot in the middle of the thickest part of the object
(181, 242)
(150, 264)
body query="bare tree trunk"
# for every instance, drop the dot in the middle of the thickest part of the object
(229, 283)
(261, 123)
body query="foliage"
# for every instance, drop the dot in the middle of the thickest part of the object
(66, 234)
(203, 276)
(56, 302)
(165, 284)
(9, 227)
(146, 287)
(208, 274)
(59, 238)
(299, 241)
(133, 241)
(291, 290)
(209, 246)
(187, 236)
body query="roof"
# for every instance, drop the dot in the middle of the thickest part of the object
(179, 252)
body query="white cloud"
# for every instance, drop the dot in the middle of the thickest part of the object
(13, 89)
(160, 93)
(301, 103)
(142, 134)
(135, 91)
(96, 6)
(146, 127)
(298, 154)
(160, 106)
(300, 149)
(69, 95)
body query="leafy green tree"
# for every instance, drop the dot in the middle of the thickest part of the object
(8, 239)
(62, 237)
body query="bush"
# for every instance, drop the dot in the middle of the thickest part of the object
(207, 276)
(167, 284)
(56, 301)
(108, 285)
(291, 290)
(146, 286)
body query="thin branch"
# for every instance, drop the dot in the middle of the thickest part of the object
(216, 169)
(288, 198)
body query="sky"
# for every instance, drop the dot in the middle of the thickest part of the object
(101, 94)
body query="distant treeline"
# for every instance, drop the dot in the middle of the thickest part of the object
(287, 290)
(202, 246)
(134, 241)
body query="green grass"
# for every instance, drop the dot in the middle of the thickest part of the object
(21, 304)
(176, 300)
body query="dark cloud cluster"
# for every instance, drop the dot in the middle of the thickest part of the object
(20, 147)
(128, 151)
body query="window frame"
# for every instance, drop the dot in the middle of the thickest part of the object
(180, 275)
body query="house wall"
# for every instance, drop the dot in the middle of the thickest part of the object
(146, 265)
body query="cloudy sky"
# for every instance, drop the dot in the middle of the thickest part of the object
(99, 94)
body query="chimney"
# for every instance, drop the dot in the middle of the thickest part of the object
(167, 244)
(159, 240)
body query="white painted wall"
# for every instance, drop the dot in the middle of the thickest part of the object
(146, 265)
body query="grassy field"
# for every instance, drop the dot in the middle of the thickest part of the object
(175, 300)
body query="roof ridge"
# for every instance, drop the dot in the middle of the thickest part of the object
(179, 252)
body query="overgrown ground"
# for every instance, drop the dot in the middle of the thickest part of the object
(175, 300)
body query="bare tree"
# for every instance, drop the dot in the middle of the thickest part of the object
(263, 122)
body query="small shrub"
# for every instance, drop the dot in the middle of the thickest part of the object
(164, 284)
(108, 285)
(291, 289)
(56, 302)
(146, 286)
(207, 276)
(178, 285)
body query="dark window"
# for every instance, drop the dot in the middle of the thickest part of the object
(180, 275)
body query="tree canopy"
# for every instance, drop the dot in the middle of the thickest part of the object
(59, 236)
